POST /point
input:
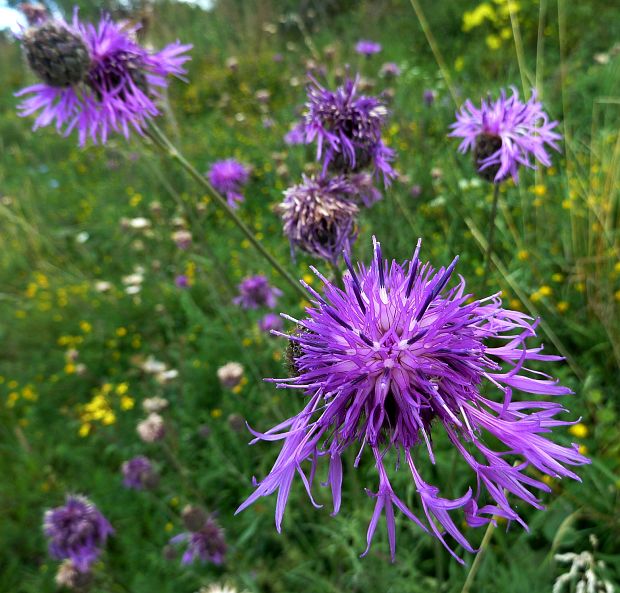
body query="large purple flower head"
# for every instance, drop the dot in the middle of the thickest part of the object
(397, 356)
(139, 473)
(76, 531)
(228, 177)
(255, 292)
(347, 128)
(367, 48)
(95, 78)
(206, 543)
(320, 216)
(505, 134)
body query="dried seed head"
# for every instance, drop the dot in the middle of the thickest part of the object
(70, 577)
(57, 55)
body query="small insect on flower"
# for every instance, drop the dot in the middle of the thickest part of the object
(320, 216)
(228, 177)
(76, 531)
(505, 134)
(255, 292)
(95, 78)
(347, 128)
(396, 356)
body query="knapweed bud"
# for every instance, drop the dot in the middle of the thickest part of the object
(486, 146)
(151, 429)
(193, 517)
(230, 374)
(56, 54)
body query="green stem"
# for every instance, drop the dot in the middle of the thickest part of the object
(491, 234)
(168, 148)
(478, 559)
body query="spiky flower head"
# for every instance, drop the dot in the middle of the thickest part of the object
(255, 292)
(397, 356)
(319, 216)
(139, 473)
(76, 531)
(347, 128)
(367, 48)
(228, 177)
(95, 79)
(206, 543)
(506, 134)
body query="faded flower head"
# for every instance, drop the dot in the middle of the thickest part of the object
(76, 531)
(367, 48)
(396, 356)
(230, 374)
(319, 216)
(154, 404)
(152, 428)
(228, 177)
(347, 129)
(206, 543)
(95, 79)
(506, 134)
(139, 473)
(69, 577)
(255, 292)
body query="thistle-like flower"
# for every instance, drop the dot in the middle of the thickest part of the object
(505, 135)
(139, 473)
(95, 79)
(255, 292)
(319, 216)
(367, 48)
(228, 177)
(347, 129)
(76, 531)
(396, 356)
(205, 543)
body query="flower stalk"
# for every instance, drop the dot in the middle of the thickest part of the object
(491, 234)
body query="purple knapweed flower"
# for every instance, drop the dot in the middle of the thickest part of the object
(181, 281)
(428, 96)
(269, 322)
(347, 129)
(95, 78)
(139, 473)
(206, 544)
(255, 292)
(505, 134)
(228, 177)
(319, 216)
(367, 48)
(76, 531)
(395, 356)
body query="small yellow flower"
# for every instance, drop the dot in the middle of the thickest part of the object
(174, 501)
(86, 327)
(247, 342)
(70, 368)
(539, 190)
(547, 480)
(85, 429)
(493, 42)
(277, 355)
(127, 403)
(562, 307)
(583, 449)
(308, 278)
(545, 291)
(523, 255)
(557, 277)
(216, 413)
(122, 388)
(579, 430)
(169, 527)
(121, 331)
(459, 63)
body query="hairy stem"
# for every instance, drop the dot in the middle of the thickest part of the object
(491, 234)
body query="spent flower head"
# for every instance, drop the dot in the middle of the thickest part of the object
(95, 79)
(76, 531)
(320, 216)
(206, 543)
(347, 128)
(397, 356)
(505, 135)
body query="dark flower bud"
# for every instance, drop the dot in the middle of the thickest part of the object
(57, 55)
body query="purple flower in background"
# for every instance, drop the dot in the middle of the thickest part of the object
(390, 70)
(181, 281)
(270, 322)
(319, 216)
(95, 79)
(397, 355)
(255, 292)
(428, 97)
(347, 129)
(367, 48)
(206, 544)
(76, 531)
(365, 189)
(505, 134)
(139, 473)
(228, 177)
(296, 135)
